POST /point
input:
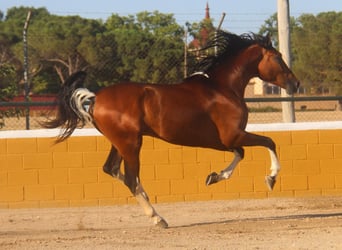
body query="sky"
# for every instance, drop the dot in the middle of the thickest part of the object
(241, 15)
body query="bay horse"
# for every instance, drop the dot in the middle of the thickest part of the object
(206, 110)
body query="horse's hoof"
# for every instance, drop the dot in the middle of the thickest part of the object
(270, 181)
(162, 224)
(211, 179)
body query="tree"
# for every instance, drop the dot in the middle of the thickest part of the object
(317, 49)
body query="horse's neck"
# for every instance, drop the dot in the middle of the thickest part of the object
(236, 73)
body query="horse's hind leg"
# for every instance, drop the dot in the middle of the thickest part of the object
(227, 172)
(132, 181)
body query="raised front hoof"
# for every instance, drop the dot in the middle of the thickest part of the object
(270, 181)
(212, 178)
(162, 223)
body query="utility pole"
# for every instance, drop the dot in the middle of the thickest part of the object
(26, 85)
(284, 48)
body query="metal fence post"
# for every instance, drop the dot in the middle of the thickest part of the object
(26, 85)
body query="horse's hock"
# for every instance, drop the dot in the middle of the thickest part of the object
(36, 173)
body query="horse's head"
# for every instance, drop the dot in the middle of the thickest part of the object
(273, 69)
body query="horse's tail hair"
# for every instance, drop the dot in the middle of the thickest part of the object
(73, 102)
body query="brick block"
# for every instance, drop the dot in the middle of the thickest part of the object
(83, 175)
(102, 144)
(304, 137)
(225, 196)
(307, 193)
(24, 204)
(11, 193)
(98, 190)
(332, 192)
(84, 203)
(103, 177)
(189, 155)
(169, 198)
(147, 172)
(240, 184)
(11, 162)
(157, 187)
(176, 155)
(293, 152)
(274, 194)
(338, 181)
(306, 167)
(196, 171)
(82, 144)
(253, 195)
(321, 151)
(53, 203)
(38, 192)
(286, 168)
(23, 177)
(252, 168)
(330, 136)
(69, 192)
(53, 176)
(169, 171)
(37, 161)
(120, 190)
(67, 160)
(260, 153)
(3, 179)
(3, 146)
(197, 197)
(331, 166)
(321, 182)
(150, 156)
(338, 151)
(94, 159)
(280, 138)
(112, 201)
(21, 145)
(209, 155)
(184, 187)
(295, 182)
(45, 145)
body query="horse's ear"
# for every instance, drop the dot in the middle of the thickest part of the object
(268, 39)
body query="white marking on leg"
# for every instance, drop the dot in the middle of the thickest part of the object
(227, 172)
(275, 165)
(143, 200)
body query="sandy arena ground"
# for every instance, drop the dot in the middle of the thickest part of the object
(275, 223)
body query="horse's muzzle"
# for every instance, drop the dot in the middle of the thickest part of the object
(292, 87)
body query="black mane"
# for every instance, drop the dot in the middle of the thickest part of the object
(225, 44)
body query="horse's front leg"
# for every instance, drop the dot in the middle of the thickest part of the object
(249, 139)
(227, 172)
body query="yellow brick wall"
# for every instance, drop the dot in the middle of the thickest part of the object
(36, 173)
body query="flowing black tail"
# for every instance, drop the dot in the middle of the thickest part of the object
(72, 111)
